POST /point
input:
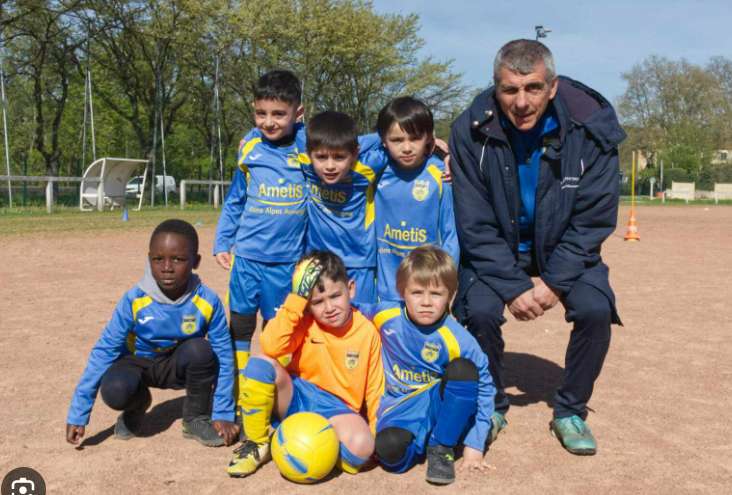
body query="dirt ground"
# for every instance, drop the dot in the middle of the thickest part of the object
(661, 408)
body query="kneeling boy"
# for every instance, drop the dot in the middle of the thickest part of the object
(157, 338)
(438, 389)
(335, 367)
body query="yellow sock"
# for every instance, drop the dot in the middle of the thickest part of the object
(241, 358)
(347, 468)
(257, 399)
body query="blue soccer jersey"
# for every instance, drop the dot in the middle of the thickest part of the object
(264, 215)
(413, 208)
(341, 216)
(415, 358)
(143, 327)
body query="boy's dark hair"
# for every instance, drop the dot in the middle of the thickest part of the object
(332, 130)
(180, 227)
(279, 85)
(412, 115)
(333, 267)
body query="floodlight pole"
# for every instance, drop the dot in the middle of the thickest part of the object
(162, 136)
(541, 32)
(5, 119)
(218, 124)
(155, 132)
(89, 86)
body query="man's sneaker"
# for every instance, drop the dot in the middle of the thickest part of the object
(440, 464)
(200, 428)
(129, 422)
(575, 435)
(248, 457)
(498, 424)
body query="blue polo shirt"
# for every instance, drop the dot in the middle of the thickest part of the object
(528, 146)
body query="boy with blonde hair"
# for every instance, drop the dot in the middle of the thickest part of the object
(438, 390)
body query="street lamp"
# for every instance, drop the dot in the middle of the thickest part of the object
(541, 32)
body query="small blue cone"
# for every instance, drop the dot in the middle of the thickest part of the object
(199, 224)
(125, 218)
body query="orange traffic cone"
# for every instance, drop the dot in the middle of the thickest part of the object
(632, 233)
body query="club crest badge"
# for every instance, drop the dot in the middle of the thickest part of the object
(430, 352)
(189, 325)
(421, 189)
(293, 160)
(352, 359)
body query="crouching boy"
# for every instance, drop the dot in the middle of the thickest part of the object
(438, 391)
(157, 338)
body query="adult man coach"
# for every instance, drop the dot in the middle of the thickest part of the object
(535, 174)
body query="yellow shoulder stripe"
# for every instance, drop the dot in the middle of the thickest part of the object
(304, 158)
(204, 307)
(436, 173)
(247, 149)
(364, 170)
(138, 304)
(382, 316)
(370, 206)
(453, 348)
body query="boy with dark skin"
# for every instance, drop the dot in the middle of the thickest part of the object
(156, 338)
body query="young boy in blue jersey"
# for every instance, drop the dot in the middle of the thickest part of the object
(413, 201)
(341, 204)
(438, 390)
(264, 215)
(157, 338)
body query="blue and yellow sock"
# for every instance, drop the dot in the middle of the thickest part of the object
(459, 405)
(241, 358)
(350, 463)
(257, 399)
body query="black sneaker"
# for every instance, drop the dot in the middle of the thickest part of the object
(129, 422)
(440, 464)
(200, 428)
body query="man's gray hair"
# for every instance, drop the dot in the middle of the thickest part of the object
(521, 57)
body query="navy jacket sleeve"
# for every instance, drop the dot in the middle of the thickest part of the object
(594, 218)
(487, 253)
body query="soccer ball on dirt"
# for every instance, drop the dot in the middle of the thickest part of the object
(305, 447)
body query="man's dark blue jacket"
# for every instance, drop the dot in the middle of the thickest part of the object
(576, 198)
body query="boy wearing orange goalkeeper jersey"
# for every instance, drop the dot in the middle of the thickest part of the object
(335, 367)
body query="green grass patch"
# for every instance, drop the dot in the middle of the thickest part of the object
(35, 220)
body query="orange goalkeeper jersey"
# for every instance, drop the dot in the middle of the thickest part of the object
(343, 361)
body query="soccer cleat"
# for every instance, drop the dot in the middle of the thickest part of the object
(248, 457)
(574, 435)
(200, 428)
(440, 464)
(129, 422)
(498, 424)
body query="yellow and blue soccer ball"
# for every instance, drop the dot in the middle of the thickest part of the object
(305, 447)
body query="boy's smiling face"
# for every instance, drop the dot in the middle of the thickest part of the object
(332, 305)
(276, 118)
(171, 262)
(407, 150)
(332, 164)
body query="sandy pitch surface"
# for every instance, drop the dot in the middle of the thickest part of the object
(661, 408)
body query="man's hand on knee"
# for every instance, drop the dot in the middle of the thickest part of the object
(524, 307)
(545, 296)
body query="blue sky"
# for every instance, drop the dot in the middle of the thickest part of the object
(592, 41)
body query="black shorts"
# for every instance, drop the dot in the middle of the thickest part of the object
(155, 372)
